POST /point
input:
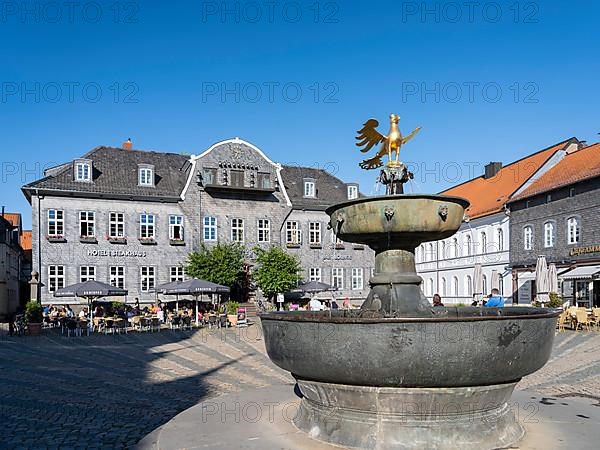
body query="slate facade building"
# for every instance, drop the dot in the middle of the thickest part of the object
(556, 215)
(131, 217)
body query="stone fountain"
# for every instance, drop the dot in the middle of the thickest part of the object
(399, 373)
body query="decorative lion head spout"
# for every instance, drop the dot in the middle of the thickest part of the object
(443, 212)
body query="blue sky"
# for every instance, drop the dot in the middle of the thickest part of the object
(490, 81)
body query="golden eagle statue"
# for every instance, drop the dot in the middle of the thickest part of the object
(368, 137)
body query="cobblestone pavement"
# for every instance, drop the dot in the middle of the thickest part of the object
(110, 391)
(573, 369)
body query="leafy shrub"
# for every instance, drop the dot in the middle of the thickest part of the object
(33, 312)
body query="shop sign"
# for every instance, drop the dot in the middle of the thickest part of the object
(584, 250)
(117, 253)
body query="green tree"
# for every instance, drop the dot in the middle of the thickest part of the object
(277, 271)
(222, 264)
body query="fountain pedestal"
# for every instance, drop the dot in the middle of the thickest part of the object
(366, 417)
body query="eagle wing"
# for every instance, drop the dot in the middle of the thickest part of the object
(368, 136)
(375, 161)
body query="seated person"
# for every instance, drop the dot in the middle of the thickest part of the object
(495, 300)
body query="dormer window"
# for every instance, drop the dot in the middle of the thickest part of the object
(309, 188)
(352, 191)
(146, 175)
(83, 171)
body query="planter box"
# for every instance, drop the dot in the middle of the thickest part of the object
(358, 247)
(316, 246)
(115, 240)
(147, 242)
(293, 245)
(88, 240)
(56, 239)
(339, 246)
(176, 242)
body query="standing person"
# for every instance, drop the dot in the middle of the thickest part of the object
(437, 300)
(495, 300)
(315, 305)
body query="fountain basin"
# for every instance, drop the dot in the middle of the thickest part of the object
(397, 220)
(458, 346)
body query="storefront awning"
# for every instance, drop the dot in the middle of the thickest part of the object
(581, 273)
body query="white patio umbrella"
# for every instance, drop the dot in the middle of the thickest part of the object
(552, 273)
(478, 283)
(542, 280)
(495, 280)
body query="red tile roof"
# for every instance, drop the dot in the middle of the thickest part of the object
(13, 218)
(488, 196)
(25, 240)
(577, 166)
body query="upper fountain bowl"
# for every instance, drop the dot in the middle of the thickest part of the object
(407, 220)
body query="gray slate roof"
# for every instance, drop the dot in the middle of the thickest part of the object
(330, 189)
(115, 173)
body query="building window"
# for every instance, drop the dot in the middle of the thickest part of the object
(573, 230)
(56, 222)
(117, 276)
(455, 247)
(309, 188)
(430, 255)
(87, 273)
(146, 176)
(442, 250)
(548, 235)
(528, 238)
(314, 233)
(500, 237)
(176, 228)
(352, 192)
(87, 228)
(210, 228)
(314, 274)
(264, 230)
(444, 287)
(483, 239)
(176, 274)
(337, 277)
(484, 287)
(455, 286)
(209, 176)
(116, 225)
(237, 178)
(468, 245)
(237, 230)
(56, 278)
(146, 226)
(357, 279)
(468, 286)
(147, 278)
(83, 171)
(264, 180)
(293, 233)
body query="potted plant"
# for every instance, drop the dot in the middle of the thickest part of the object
(34, 317)
(232, 310)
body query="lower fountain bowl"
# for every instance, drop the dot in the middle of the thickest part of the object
(459, 347)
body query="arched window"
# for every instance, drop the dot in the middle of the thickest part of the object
(444, 287)
(468, 245)
(528, 238)
(468, 286)
(483, 242)
(500, 238)
(456, 248)
(484, 285)
(455, 286)
(442, 250)
(573, 230)
(548, 234)
(430, 287)
(430, 254)
(501, 284)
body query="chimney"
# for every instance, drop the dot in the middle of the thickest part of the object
(128, 144)
(492, 169)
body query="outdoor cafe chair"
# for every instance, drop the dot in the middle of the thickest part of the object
(83, 327)
(109, 325)
(595, 319)
(155, 324)
(223, 322)
(582, 319)
(136, 323)
(145, 324)
(187, 323)
(175, 322)
(72, 328)
(212, 321)
(563, 320)
(121, 326)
